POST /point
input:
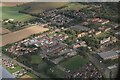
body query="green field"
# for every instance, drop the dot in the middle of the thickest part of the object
(56, 72)
(75, 6)
(37, 7)
(11, 12)
(74, 63)
(36, 59)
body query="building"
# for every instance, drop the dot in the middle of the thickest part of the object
(107, 29)
(108, 55)
(105, 21)
(82, 34)
(98, 32)
(105, 40)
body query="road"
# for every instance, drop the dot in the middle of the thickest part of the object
(27, 68)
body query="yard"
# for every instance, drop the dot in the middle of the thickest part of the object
(17, 68)
(102, 35)
(74, 63)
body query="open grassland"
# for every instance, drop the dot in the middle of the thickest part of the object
(4, 31)
(75, 6)
(21, 34)
(37, 7)
(74, 63)
(56, 72)
(12, 12)
(36, 59)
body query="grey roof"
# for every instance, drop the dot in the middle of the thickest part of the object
(107, 54)
(5, 74)
(80, 28)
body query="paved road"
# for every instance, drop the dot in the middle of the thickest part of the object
(27, 68)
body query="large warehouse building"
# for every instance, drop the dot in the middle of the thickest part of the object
(108, 55)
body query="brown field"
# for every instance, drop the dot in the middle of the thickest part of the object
(11, 3)
(26, 76)
(4, 31)
(21, 34)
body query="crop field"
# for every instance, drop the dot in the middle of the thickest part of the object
(4, 31)
(11, 3)
(21, 34)
(12, 12)
(75, 6)
(74, 63)
(37, 7)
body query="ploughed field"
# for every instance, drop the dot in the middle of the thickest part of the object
(4, 31)
(21, 34)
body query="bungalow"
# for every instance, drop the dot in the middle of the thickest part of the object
(107, 29)
(76, 45)
(105, 21)
(92, 30)
(79, 44)
(95, 19)
(82, 34)
(105, 40)
(98, 32)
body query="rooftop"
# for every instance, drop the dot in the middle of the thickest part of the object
(80, 28)
(107, 54)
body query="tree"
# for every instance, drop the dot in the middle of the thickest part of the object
(82, 51)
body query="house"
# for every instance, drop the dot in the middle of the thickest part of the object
(98, 32)
(92, 30)
(95, 19)
(76, 46)
(82, 34)
(108, 55)
(105, 40)
(107, 29)
(11, 19)
(79, 44)
(105, 22)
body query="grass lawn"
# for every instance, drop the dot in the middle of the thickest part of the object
(8, 26)
(32, 75)
(17, 68)
(36, 59)
(11, 12)
(56, 72)
(74, 63)
(102, 35)
(75, 6)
